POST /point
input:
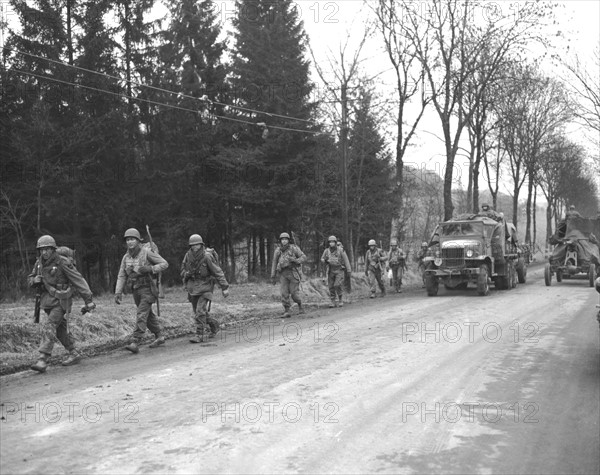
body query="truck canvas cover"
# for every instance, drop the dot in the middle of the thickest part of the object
(577, 230)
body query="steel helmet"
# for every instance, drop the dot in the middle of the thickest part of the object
(331, 238)
(46, 241)
(284, 235)
(195, 239)
(132, 232)
(394, 242)
(372, 242)
(424, 244)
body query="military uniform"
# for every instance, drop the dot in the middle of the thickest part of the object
(137, 267)
(337, 264)
(374, 263)
(420, 259)
(199, 271)
(397, 262)
(287, 260)
(59, 278)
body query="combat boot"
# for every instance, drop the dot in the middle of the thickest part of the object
(332, 303)
(341, 303)
(41, 364)
(286, 313)
(198, 338)
(73, 358)
(160, 340)
(214, 329)
(301, 309)
(372, 296)
(133, 347)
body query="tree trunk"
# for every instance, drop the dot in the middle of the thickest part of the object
(534, 214)
(528, 209)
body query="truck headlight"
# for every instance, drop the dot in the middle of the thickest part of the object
(469, 253)
(437, 261)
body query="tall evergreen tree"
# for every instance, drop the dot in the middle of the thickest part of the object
(271, 75)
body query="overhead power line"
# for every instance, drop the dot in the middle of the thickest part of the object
(258, 124)
(179, 94)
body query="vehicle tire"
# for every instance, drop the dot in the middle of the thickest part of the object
(559, 275)
(483, 285)
(513, 276)
(431, 285)
(521, 271)
(462, 286)
(592, 274)
(548, 275)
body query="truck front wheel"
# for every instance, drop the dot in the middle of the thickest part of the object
(483, 286)
(548, 275)
(431, 284)
(521, 270)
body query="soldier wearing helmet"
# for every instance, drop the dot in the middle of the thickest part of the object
(287, 261)
(199, 271)
(572, 213)
(396, 262)
(57, 277)
(336, 261)
(421, 260)
(138, 266)
(374, 264)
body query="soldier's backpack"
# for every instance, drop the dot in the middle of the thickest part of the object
(68, 253)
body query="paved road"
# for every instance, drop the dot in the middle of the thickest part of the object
(407, 384)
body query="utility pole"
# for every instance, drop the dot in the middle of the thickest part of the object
(344, 171)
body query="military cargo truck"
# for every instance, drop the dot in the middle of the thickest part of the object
(476, 248)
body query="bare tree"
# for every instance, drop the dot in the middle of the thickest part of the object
(410, 83)
(451, 43)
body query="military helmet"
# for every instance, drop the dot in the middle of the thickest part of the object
(284, 235)
(394, 242)
(195, 239)
(46, 241)
(331, 238)
(572, 207)
(372, 242)
(132, 232)
(424, 244)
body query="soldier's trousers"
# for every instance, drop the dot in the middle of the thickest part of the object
(397, 273)
(201, 314)
(335, 280)
(375, 280)
(145, 317)
(289, 284)
(55, 328)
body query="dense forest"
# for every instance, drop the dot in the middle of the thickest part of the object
(112, 119)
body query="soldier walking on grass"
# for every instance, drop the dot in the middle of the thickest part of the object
(138, 266)
(337, 263)
(396, 262)
(56, 277)
(199, 271)
(374, 264)
(287, 260)
(421, 255)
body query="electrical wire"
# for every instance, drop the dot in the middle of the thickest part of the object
(179, 94)
(164, 104)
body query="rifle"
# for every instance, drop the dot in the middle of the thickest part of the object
(161, 295)
(38, 297)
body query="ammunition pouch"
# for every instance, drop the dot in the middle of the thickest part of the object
(60, 292)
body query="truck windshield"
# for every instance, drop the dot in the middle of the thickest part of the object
(462, 229)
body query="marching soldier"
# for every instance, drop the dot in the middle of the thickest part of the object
(287, 260)
(199, 270)
(396, 262)
(138, 266)
(572, 213)
(57, 276)
(420, 259)
(374, 263)
(336, 260)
